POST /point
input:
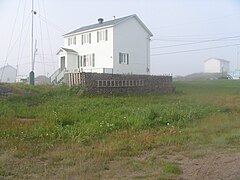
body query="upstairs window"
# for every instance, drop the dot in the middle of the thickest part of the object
(86, 38)
(72, 40)
(102, 35)
(69, 41)
(123, 58)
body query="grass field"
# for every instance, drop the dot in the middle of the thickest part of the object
(61, 133)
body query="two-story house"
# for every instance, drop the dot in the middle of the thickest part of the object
(118, 46)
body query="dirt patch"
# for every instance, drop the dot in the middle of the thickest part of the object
(26, 119)
(212, 166)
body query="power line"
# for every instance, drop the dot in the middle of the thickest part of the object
(20, 41)
(193, 50)
(40, 24)
(199, 35)
(50, 45)
(9, 46)
(57, 27)
(46, 62)
(188, 39)
(26, 36)
(50, 59)
(202, 21)
(191, 43)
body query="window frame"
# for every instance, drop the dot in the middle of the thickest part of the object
(87, 60)
(123, 58)
(86, 38)
(102, 35)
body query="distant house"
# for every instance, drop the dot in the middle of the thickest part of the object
(21, 79)
(8, 74)
(235, 74)
(215, 65)
(118, 46)
(42, 80)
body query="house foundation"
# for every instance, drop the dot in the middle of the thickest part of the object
(109, 83)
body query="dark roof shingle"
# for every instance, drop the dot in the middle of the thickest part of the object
(98, 25)
(69, 50)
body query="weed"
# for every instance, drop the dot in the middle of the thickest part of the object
(172, 168)
(92, 130)
(225, 109)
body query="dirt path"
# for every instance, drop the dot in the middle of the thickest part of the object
(213, 166)
(207, 166)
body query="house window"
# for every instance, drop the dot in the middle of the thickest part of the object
(93, 60)
(79, 62)
(68, 41)
(123, 58)
(86, 38)
(87, 60)
(102, 35)
(72, 40)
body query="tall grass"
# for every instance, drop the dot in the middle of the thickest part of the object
(58, 115)
(38, 120)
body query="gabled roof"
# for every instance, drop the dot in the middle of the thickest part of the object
(7, 66)
(218, 59)
(109, 23)
(67, 50)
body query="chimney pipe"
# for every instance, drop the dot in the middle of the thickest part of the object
(100, 20)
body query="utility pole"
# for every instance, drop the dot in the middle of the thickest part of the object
(31, 74)
(238, 57)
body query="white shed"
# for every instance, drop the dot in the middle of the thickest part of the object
(8, 74)
(215, 65)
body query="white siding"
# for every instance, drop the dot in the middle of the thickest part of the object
(8, 74)
(103, 50)
(128, 37)
(70, 60)
(224, 66)
(216, 66)
(131, 38)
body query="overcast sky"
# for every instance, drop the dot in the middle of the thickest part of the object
(186, 32)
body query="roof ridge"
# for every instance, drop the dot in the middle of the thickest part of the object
(67, 50)
(219, 59)
(98, 25)
(7, 66)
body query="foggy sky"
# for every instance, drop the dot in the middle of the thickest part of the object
(183, 24)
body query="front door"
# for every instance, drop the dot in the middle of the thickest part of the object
(63, 63)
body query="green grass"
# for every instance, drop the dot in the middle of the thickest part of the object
(57, 132)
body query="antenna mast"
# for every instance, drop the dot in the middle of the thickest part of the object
(31, 74)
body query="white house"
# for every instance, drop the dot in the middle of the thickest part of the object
(235, 74)
(8, 74)
(118, 46)
(215, 65)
